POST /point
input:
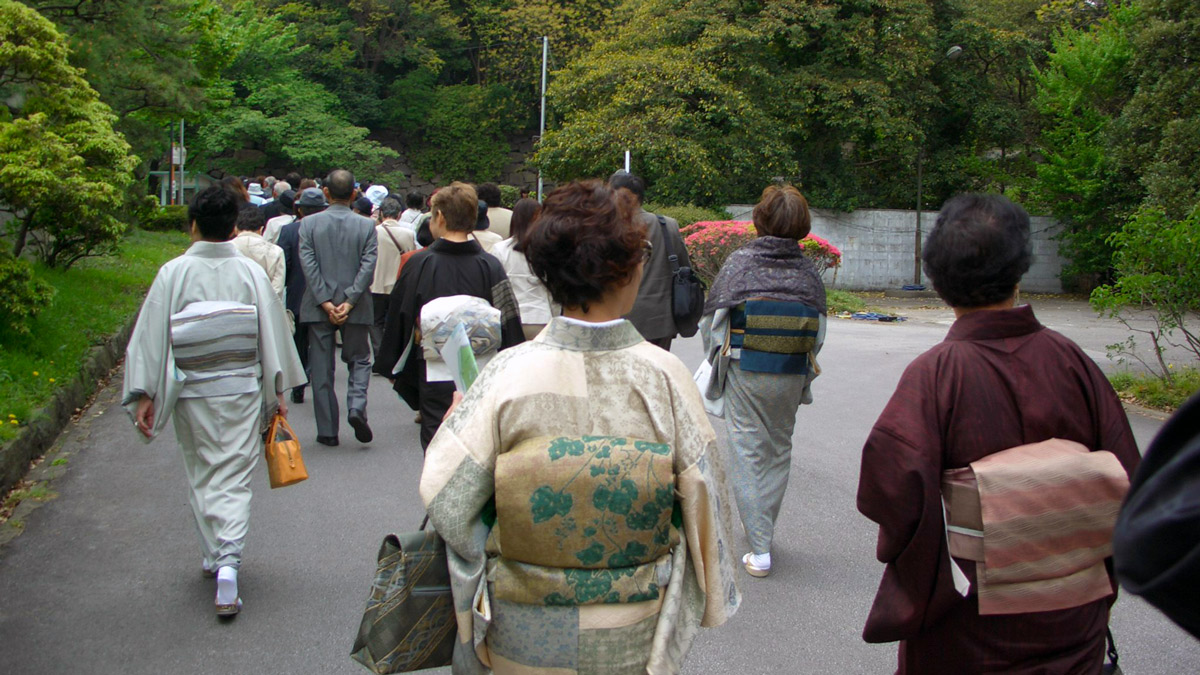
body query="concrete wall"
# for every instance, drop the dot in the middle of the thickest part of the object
(877, 248)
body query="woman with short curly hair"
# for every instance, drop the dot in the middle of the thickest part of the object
(577, 484)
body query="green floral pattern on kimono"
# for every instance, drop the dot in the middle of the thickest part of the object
(583, 519)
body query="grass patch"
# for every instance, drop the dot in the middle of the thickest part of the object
(843, 301)
(94, 299)
(1154, 392)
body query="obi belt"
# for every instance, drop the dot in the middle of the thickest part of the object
(1038, 520)
(583, 520)
(215, 344)
(774, 336)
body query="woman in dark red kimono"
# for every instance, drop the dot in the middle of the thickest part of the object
(999, 380)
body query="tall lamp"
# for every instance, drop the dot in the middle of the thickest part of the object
(952, 54)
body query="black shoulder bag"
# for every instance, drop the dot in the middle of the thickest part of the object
(687, 290)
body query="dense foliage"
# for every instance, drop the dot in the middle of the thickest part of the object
(63, 169)
(1157, 270)
(22, 296)
(1086, 109)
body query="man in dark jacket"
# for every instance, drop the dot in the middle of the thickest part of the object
(310, 201)
(651, 313)
(453, 264)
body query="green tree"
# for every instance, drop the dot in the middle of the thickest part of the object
(138, 56)
(1158, 131)
(261, 103)
(1157, 268)
(717, 98)
(1081, 93)
(63, 169)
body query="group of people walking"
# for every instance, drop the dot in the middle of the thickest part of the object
(579, 482)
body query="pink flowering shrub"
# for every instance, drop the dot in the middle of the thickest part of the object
(710, 242)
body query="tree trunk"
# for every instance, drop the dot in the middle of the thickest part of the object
(22, 236)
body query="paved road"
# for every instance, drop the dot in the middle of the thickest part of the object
(105, 577)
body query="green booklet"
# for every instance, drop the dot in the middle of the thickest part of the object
(460, 358)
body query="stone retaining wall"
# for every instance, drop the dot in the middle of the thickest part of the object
(877, 248)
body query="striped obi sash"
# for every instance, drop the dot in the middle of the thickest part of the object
(774, 336)
(1038, 520)
(215, 344)
(583, 520)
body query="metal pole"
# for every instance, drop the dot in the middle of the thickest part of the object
(182, 160)
(542, 126)
(170, 186)
(627, 162)
(917, 248)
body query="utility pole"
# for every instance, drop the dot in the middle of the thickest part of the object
(182, 160)
(542, 126)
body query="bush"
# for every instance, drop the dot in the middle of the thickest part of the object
(687, 214)
(166, 219)
(1156, 267)
(22, 297)
(509, 194)
(710, 243)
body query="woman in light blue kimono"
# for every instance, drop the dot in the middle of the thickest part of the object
(763, 327)
(577, 485)
(212, 349)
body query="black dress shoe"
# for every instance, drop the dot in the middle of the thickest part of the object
(327, 440)
(362, 431)
(297, 395)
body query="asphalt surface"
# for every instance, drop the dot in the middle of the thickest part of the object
(105, 577)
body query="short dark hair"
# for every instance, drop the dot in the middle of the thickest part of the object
(340, 184)
(782, 212)
(458, 204)
(978, 250)
(390, 208)
(293, 178)
(214, 210)
(624, 180)
(414, 200)
(250, 220)
(585, 242)
(235, 185)
(424, 235)
(490, 193)
(362, 205)
(525, 211)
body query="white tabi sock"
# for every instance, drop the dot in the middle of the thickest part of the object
(760, 560)
(227, 592)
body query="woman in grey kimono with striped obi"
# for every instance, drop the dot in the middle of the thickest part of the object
(577, 485)
(212, 349)
(764, 324)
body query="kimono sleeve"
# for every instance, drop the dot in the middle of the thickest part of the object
(457, 486)
(149, 363)
(900, 489)
(705, 500)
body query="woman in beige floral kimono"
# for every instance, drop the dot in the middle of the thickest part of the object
(577, 485)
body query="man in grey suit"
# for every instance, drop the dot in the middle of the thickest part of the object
(337, 255)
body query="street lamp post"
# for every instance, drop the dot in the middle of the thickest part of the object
(952, 54)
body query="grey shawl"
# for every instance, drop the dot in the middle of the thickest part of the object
(768, 267)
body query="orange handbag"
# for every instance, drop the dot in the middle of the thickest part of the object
(285, 465)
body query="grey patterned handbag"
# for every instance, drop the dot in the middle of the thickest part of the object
(409, 622)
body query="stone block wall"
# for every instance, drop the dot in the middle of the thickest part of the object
(877, 248)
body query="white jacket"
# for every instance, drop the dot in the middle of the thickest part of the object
(532, 297)
(267, 255)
